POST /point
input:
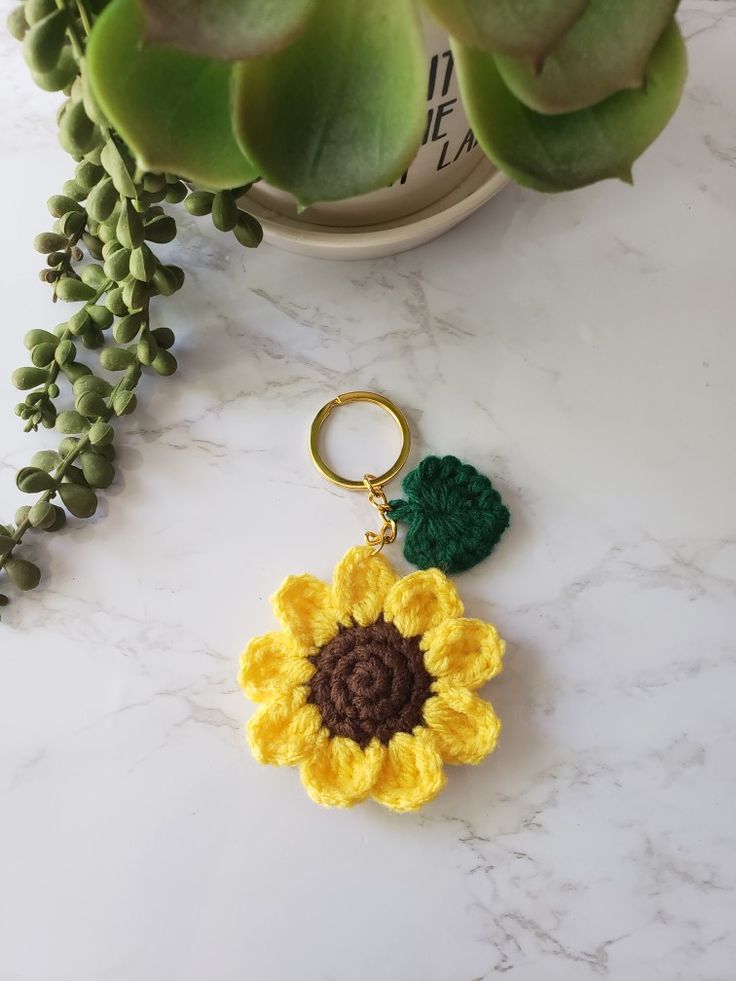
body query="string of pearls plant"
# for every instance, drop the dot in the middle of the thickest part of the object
(83, 375)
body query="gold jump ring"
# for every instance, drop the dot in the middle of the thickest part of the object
(346, 399)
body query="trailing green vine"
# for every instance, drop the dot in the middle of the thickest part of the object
(98, 254)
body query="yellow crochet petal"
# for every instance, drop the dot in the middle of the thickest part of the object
(285, 731)
(420, 601)
(303, 604)
(272, 665)
(338, 773)
(412, 773)
(465, 653)
(360, 585)
(465, 727)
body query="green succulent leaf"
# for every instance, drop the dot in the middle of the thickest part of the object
(341, 111)
(605, 52)
(454, 514)
(173, 109)
(559, 153)
(523, 28)
(228, 29)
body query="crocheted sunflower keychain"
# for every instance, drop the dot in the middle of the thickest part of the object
(369, 688)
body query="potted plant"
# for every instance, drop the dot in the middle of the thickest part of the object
(326, 99)
(173, 102)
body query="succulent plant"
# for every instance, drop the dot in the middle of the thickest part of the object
(326, 98)
(100, 255)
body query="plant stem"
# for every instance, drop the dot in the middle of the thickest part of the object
(74, 36)
(84, 17)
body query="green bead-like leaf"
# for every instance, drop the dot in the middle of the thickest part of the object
(102, 200)
(91, 406)
(101, 434)
(80, 501)
(559, 153)
(228, 29)
(98, 472)
(161, 229)
(199, 203)
(93, 275)
(454, 514)
(112, 160)
(248, 231)
(124, 403)
(73, 290)
(42, 514)
(71, 423)
(147, 348)
(143, 264)
(59, 520)
(100, 316)
(25, 575)
(25, 379)
(75, 370)
(129, 229)
(164, 363)
(79, 322)
(47, 460)
(16, 23)
(77, 132)
(164, 337)
(606, 51)
(224, 212)
(43, 43)
(61, 204)
(88, 175)
(342, 110)
(91, 383)
(530, 29)
(164, 281)
(116, 303)
(61, 76)
(126, 329)
(36, 10)
(117, 265)
(38, 336)
(116, 359)
(33, 480)
(186, 128)
(134, 294)
(48, 242)
(43, 354)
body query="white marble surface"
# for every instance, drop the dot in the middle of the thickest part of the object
(579, 348)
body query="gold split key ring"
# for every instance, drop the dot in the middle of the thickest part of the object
(371, 484)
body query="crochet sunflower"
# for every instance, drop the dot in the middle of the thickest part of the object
(370, 687)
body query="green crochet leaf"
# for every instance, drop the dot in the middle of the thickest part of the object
(455, 516)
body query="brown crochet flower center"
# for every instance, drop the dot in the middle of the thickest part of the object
(370, 681)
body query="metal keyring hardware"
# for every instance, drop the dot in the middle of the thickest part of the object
(346, 399)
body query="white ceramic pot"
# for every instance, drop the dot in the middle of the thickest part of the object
(448, 179)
